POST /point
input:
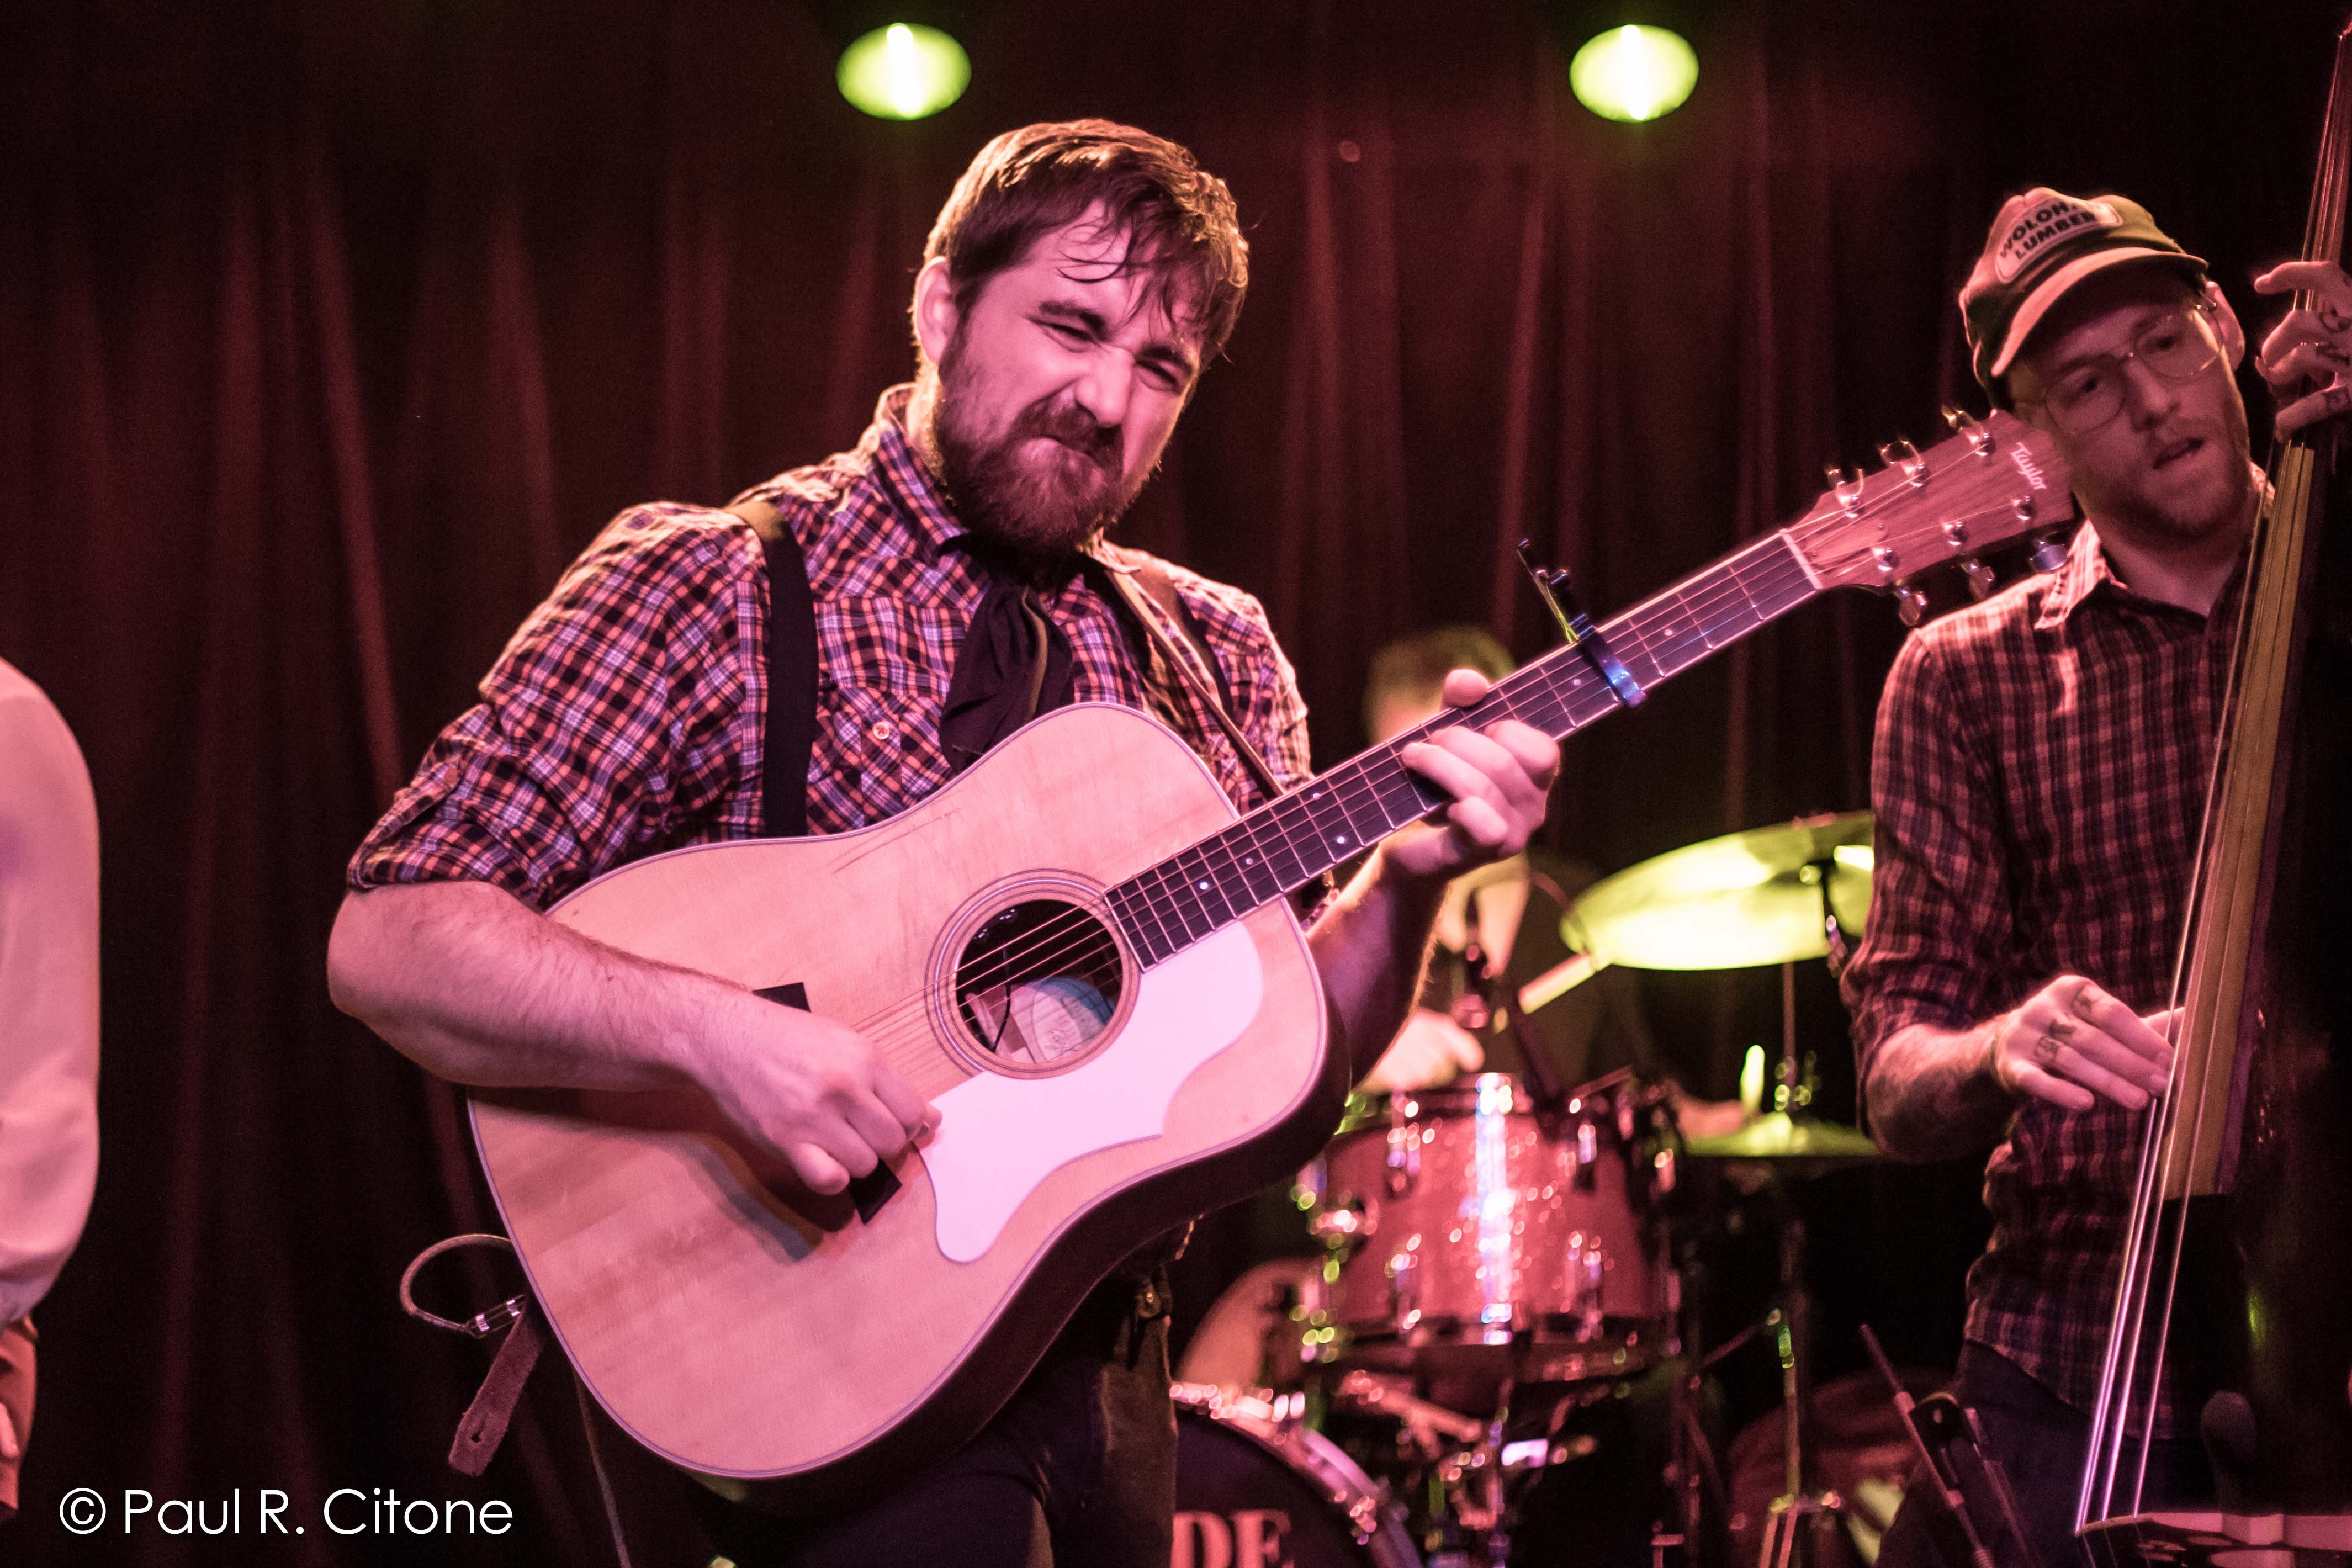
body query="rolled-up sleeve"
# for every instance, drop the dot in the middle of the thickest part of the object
(1940, 908)
(622, 707)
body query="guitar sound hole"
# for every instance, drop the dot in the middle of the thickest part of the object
(1038, 983)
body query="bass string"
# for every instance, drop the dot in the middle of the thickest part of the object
(2283, 539)
(2164, 1161)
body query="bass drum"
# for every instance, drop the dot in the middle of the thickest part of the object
(1253, 1490)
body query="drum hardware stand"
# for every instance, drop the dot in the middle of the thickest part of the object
(1493, 999)
(1941, 1428)
(1800, 1515)
(1833, 937)
(1692, 1472)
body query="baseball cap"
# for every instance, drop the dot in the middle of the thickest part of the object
(2042, 244)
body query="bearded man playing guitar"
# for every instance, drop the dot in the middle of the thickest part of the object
(1077, 281)
(2040, 776)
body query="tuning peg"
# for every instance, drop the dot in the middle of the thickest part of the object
(1963, 423)
(1979, 574)
(1846, 486)
(1901, 454)
(1911, 604)
(2049, 553)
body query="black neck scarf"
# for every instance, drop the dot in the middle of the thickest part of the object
(1015, 663)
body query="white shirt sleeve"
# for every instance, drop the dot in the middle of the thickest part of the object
(48, 993)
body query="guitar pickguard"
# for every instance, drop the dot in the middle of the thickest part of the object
(999, 1137)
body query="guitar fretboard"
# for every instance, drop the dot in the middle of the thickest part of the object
(1289, 842)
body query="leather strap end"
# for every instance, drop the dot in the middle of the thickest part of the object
(484, 1426)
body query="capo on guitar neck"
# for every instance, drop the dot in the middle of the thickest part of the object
(1552, 587)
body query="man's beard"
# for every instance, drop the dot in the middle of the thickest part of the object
(2183, 521)
(1037, 502)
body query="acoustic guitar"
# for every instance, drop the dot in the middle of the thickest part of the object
(1085, 959)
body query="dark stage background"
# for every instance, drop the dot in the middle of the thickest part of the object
(329, 333)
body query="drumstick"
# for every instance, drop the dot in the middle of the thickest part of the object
(1559, 980)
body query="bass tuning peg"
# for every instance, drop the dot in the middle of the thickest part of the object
(1979, 574)
(1910, 603)
(2049, 553)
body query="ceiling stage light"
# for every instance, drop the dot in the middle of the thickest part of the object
(1633, 73)
(902, 72)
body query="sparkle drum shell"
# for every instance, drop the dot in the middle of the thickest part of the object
(1467, 1216)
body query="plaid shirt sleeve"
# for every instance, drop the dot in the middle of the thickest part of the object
(1939, 927)
(620, 712)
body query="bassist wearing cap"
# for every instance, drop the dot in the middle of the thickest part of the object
(2040, 776)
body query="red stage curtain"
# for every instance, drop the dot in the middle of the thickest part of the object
(326, 335)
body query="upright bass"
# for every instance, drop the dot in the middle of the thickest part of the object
(2234, 1320)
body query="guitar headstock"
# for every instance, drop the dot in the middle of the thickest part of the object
(1991, 483)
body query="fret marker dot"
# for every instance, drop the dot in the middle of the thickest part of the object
(1338, 839)
(1202, 886)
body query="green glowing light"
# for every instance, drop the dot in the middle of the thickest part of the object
(1633, 73)
(1751, 1079)
(901, 72)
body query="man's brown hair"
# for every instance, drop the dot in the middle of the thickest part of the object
(1179, 219)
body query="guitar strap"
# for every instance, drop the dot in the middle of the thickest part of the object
(790, 737)
(1143, 581)
(792, 675)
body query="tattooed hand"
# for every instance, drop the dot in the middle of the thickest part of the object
(2073, 1045)
(2310, 350)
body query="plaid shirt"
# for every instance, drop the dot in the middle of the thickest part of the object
(2039, 779)
(629, 714)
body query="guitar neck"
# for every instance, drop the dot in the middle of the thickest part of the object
(1291, 841)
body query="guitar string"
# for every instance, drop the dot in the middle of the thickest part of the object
(1346, 793)
(1703, 605)
(1352, 790)
(1349, 791)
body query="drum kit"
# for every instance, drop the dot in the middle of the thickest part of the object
(1501, 1256)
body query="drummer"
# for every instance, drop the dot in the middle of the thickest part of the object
(1511, 909)
(1248, 1258)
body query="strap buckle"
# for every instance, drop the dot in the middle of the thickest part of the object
(482, 1324)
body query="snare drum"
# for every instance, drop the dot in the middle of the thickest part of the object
(1469, 1218)
(1254, 1490)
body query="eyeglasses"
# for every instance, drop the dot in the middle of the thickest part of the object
(2177, 346)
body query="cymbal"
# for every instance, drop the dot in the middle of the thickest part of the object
(1746, 899)
(1777, 1137)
